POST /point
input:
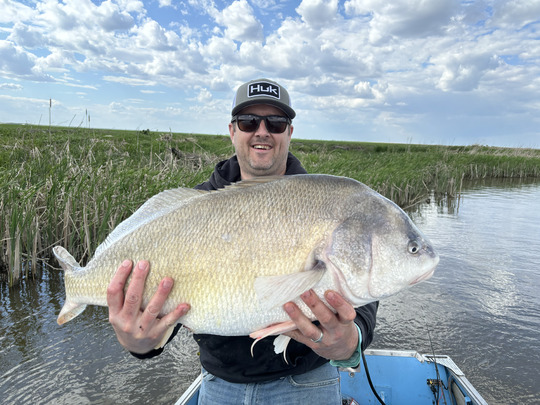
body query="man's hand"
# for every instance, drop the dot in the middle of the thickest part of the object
(339, 333)
(137, 330)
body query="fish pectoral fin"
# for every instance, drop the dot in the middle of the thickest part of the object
(165, 338)
(273, 291)
(69, 311)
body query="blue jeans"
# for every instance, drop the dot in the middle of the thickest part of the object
(319, 386)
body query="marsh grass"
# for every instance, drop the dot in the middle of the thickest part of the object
(406, 174)
(76, 188)
(72, 186)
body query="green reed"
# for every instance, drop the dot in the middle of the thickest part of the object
(407, 174)
(74, 190)
(72, 186)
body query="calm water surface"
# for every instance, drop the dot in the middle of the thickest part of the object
(482, 307)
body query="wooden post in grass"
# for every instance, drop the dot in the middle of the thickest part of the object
(50, 108)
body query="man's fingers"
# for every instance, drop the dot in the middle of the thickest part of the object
(306, 328)
(172, 318)
(154, 307)
(323, 314)
(140, 330)
(115, 289)
(132, 303)
(345, 311)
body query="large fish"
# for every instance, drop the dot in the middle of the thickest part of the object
(238, 254)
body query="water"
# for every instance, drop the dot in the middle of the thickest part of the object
(482, 308)
(81, 362)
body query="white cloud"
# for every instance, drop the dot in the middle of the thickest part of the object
(27, 36)
(204, 96)
(318, 13)
(27, 100)
(240, 23)
(151, 36)
(144, 91)
(463, 72)
(10, 86)
(404, 18)
(130, 81)
(111, 18)
(364, 90)
(16, 62)
(13, 11)
(516, 13)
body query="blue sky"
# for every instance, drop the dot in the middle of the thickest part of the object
(409, 71)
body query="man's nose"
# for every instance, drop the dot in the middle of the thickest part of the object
(262, 129)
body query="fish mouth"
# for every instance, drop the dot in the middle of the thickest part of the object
(423, 277)
(430, 271)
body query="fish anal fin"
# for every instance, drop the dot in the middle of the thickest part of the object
(273, 291)
(275, 329)
(69, 311)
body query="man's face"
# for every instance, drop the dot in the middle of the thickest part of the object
(261, 153)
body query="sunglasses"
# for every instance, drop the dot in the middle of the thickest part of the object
(275, 124)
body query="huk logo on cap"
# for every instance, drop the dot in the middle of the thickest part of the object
(263, 89)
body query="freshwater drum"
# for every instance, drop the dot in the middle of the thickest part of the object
(238, 254)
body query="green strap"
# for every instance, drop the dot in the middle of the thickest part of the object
(354, 360)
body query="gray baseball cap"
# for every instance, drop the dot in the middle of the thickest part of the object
(262, 91)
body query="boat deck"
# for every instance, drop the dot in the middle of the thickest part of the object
(399, 378)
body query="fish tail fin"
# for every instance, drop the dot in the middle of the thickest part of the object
(66, 261)
(71, 308)
(69, 311)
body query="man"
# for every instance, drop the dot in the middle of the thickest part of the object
(260, 130)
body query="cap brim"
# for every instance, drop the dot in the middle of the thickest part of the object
(283, 107)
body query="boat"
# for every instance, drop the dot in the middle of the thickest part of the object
(394, 377)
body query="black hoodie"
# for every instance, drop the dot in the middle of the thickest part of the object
(229, 357)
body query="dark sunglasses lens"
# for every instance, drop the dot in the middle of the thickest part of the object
(276, 125)
(249, 123)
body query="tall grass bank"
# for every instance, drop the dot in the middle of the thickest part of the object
(72, 186)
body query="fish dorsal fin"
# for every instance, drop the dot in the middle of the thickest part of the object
(157, 206)
(255, 181)
(274, 291)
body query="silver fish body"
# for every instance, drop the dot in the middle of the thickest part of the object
(238, 254)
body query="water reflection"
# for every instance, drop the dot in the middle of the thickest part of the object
(481, 307)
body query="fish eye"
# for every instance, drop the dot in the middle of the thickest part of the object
(413, 247)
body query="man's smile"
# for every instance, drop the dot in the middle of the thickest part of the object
(261, 146)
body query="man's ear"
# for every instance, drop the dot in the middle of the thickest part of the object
(232, 130)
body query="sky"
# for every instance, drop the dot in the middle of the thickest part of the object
(407, 71)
